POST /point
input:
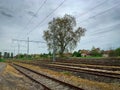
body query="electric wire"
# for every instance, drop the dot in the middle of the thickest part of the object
(35, 14)
(101, 13)
(93, 8)
(46, 17)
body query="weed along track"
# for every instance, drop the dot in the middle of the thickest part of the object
(48, 83)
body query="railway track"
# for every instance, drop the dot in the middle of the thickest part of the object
(70, 67)
(86, 70)
(102, 67)
(73, 68)
(47, 82)
(111, 68)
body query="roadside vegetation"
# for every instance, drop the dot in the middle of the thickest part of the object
(94, 53)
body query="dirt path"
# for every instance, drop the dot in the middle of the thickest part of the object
(2, 67)
(11, 79)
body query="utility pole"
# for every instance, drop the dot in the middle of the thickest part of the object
(54, 43)
(28, 45)
(18, 48)
(14, 51)
(54, 48)
(28, 41)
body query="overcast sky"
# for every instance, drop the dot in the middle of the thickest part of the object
(20, 19)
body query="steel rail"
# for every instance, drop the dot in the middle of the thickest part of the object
(54, 79)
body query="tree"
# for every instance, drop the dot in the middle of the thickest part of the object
(0, 55)
(8, 55)
(11, 55)
(112, 53)
(117, 51)
(76, 54)
(95, 52)
(5, 54)
(61, 33)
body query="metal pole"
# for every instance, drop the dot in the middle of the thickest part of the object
(54, 46)
(18, 48)
(28, 45)
(14, 52)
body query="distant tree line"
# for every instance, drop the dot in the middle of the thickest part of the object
(94, 52)
(97, 52)
(76, 54)
(34, 56)
(6, 55)
(115, 52)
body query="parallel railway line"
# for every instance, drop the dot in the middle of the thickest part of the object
(74, 68)
(87, 73)
(102, 67)
(86, 70)
(100, 73)
(49, 83)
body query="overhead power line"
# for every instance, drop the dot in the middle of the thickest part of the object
(93, 8)
(27, 43)
(46, 17)
(103, 12)
(35, 14)
(105, 28)
(92, 35)
(105, 31)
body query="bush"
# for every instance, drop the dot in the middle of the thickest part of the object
(2, 60)
(76, 54)
(95, 53)
(117, 52)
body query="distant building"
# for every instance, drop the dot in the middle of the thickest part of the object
(84, 53)
(106, 53)
(68, 54)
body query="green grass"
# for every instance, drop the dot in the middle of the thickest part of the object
(2, 60)
(66, 72)
(88, 57)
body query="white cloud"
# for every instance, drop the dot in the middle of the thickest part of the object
(14, 16)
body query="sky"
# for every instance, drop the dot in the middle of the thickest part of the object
(20, 19)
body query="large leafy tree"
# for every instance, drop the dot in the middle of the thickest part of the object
(62, 30)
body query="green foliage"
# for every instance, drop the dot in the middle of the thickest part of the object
(23, 56)
(50, 54)
(96, 52)
(0, 55)
(66, 72)
(61, 33)
(44, 55)
(33, 56)
(117, 51)
(8, 55)
(2, 60)
(114, 53)
(5, 55)
(11, 55)
(76, 54)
